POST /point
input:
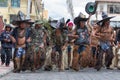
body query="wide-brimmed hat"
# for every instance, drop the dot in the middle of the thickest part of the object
(30, 21)
(38, 22)
(60, 23)
(21, 17)
(91, 7)
(80, 17)
(53, 24)
(104, 18)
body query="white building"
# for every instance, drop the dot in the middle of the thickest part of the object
(111, 7)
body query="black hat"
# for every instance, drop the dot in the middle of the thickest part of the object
(30, 22)
(21, 17)
(91, 7)
(79, 18)
(68, 20)
(53, 24)
(104, 18)
(60, 23)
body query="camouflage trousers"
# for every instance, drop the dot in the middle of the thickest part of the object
(29, 59)
(39, 56)
(57, 56)
(48, 64)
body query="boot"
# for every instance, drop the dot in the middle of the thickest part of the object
(99, 60)
(14, 63)
(53, 59)
(60, 62)
(108, 58)
(34, 62)
(22, 63)
(17, 61)
(69, 59)
(38, 62)
(42, 59)
(75, 62)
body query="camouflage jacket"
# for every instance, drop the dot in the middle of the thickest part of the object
(59, 40)
(37, 35)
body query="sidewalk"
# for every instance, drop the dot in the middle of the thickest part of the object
(5, 70)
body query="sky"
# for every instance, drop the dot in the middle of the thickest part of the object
(58, 8)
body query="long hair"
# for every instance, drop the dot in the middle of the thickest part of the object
(103, 23)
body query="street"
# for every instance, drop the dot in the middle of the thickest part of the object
(85, 74)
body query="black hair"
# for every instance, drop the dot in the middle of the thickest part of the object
(103, 23)
(8, 26)
(68, 20)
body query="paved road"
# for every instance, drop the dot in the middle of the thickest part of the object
(86, 74)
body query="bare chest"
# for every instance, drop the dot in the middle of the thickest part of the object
(21, 38)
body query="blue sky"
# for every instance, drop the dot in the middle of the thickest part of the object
(58, 8)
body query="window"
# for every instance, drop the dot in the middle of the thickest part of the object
(101, 8)
(12, 17)
(114, 9)
(3, 3)
(15, 3)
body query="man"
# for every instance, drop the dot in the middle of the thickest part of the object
(81, 36)
(29, 56)
(59, 44)
(39, 41)
(94, 40)
(20, 36)
(70, 43)
(105, 34)
(6, 42)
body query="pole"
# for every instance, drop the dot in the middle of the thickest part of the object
(42, 10)
(28, 10)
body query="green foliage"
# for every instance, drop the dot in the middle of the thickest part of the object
(47, 25)
(3, 0)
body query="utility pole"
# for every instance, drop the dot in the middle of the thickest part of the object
(42, 10)
(70, 8)
(28, 9)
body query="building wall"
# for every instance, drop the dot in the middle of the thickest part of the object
(7, 11)
(103, 6)
(45, 14)
(107, 0)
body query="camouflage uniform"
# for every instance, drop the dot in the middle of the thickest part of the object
(58, 42)
(38, 45)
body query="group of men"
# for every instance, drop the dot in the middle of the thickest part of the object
(28, 43)
(83, 46)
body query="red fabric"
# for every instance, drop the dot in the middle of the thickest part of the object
(70, 24)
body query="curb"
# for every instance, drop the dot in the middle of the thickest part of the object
(4, 74)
